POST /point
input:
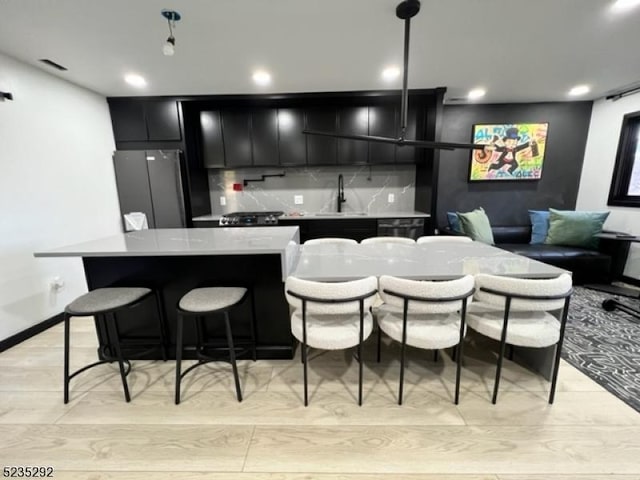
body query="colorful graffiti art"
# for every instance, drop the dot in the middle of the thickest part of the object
(514, 151)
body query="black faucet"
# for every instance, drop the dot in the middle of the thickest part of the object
(341, 198)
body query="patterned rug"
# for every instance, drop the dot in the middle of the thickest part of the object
(605, 345)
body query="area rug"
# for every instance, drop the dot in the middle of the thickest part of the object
(605, 345)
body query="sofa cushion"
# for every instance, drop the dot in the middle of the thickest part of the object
(575, 228)
(539, 225)
(475, 224)
(454, 222)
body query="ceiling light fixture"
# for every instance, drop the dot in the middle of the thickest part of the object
(389, 74)
(261, 77)
(579, 90)
(172, 17)
(404, 11)
(625, 4)
(476, 93)
(135, 80)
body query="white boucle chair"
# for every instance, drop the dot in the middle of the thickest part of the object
(515, 311)
(444, 239)
(403, 240)
(344, 241)
(424, 314)
(331, 316)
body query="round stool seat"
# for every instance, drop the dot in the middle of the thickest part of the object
(211, 298)
(105, 299)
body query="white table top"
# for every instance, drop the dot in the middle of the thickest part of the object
(442, 261)
(184, 241)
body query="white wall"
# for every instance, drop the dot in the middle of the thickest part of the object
(57, 187)
(599, 160)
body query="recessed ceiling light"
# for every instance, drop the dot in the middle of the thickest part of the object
(261, 77)
(625, 4)
(135, 80)
(579, 90)
(389, 74)
(476, 93)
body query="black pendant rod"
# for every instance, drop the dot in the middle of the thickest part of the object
(404, 110)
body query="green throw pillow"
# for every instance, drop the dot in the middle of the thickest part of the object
(476, 225)
(575, 228)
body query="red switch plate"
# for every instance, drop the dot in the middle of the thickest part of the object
(237, 187)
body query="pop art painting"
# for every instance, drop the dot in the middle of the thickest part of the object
(513, 151)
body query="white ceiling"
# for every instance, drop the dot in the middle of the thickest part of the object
(519, 50)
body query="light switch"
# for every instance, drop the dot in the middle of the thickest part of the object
(298, 199)
(391, 198)
(223, 201)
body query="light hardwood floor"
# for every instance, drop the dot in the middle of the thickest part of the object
(588, 434)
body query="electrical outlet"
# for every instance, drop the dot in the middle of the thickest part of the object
(391, 198)
(223, 201)
(56, 284)
(298, 199)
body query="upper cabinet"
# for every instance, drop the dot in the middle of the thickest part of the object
(143, 120)
(292, 143)
(353, 121)
(257, 131)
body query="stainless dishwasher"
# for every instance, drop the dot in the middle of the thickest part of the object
(401, 227)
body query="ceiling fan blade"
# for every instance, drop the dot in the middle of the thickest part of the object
(441, 145)
(366, 138)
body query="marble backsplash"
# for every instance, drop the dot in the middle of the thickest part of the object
(366, 189)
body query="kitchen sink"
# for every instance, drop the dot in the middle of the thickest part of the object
(339, 214)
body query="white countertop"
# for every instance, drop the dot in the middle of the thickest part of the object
(184, 241)
(330, 216)
(443, 261)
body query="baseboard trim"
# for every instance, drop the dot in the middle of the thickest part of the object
(30, 332)
(631, 280)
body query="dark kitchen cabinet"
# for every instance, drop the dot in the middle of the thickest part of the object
(237, 137)
(383, 122)
(136, 120)
(353, 121)
(211, 139)
(408, 154)
(322, 150)
(264, 136)
(292, 143)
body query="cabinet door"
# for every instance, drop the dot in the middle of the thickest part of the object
(353, 121)
(292, 143)
(132, 182)
(163, 121)
(382, 123)
(237, 137)
(127, 118)
(264, 136)
(211, 136)
(407, 154)
(322, 150)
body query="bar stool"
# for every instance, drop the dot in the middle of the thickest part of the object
(103, 304)
(203, 302)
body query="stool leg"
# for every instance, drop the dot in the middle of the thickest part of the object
(66, 358)
(253, 325)
(111, 325)
(232, 355)
(162, 320)
(179, 328)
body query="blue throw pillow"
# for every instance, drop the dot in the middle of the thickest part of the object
(539, 225)
(454, 222)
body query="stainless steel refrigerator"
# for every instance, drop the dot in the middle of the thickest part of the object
(153, 182)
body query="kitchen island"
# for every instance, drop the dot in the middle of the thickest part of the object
(176, 260)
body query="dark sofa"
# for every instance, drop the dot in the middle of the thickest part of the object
(587, 266)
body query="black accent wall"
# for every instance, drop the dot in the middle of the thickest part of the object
(507, 202)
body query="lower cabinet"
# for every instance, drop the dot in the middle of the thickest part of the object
(358, 229)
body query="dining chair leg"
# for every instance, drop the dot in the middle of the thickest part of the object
(556, 363)
(162, 324)
(304, 370)
(254, 346)
(232, 355)
(179, 333)
(402, 351)
(360, 374)
(435, 356)
(66, 357)
(111, 326)
(459, 350)
(503, 343)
